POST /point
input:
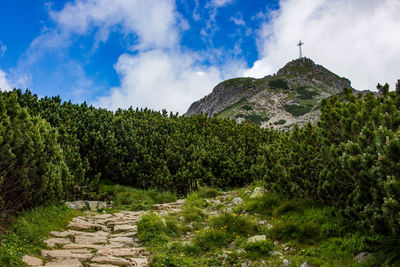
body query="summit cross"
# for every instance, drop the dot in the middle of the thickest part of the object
(299, 45)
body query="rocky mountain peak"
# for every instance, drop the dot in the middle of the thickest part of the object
(290, 96)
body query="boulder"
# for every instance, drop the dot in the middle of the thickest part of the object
(361, 257)
(256, 238)
(78, 205)
(257, 192)
(305, 264)
(237, 201)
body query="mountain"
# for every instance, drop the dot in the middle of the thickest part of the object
(290, 96)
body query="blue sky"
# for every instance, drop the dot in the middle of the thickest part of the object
(167, 54)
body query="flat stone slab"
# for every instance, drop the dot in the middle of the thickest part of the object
(90, 239)
(65, 263)
(102, 265)
(122, 239)
(92, 246)
(51, 242)
(103, 216)
(66, 254)
(142, 262)
(60, 234)
(86, 226)
(111, 260)
(122, 252)
(127, 234)
(124, 227)
(32, 261)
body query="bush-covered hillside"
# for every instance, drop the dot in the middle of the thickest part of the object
(53, 150)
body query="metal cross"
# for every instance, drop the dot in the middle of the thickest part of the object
(299, 45)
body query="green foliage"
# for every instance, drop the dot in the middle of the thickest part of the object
(297, 110)
(152, 229)
(280, 122)
(279, 83)
(247, 107)
(207, 192)
(305, 93)
(32, 164)
(128, 198)
(29, 230)
(262, 205)
(259, 249)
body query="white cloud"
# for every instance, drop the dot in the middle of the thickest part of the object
(4, 83)
(357, 39)
(238, 20)
(153, 22)
(3, 49)
(220, 3)
(160, 79)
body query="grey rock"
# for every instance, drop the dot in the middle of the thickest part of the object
(78, 205)
(362, 257)
(257, 192)
(237, 201)
(305, 264)
(285, 263)
(256, 238)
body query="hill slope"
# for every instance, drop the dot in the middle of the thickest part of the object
(290, 96)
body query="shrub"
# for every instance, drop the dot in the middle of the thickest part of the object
(263, 205)
(33, 170)
(303, 232)
(247, 107)
(306, 94)
(279, 83)
(259, 249)
(236, 225)
(212, 238)
(152, 229)
(280, 122)
(207, 192)
(297, 110)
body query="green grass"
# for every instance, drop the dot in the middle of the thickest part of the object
(228, 110)
(30, 229)
(133, 199)
(316, 233)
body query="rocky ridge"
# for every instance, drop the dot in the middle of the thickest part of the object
(291, 96)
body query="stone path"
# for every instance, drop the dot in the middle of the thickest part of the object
(99, 240)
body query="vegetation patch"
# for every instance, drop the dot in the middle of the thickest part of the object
(306, 92)
(29, 230)
(280, 122)
(129, 198)
(297, 110)
(279, 83)
(247, 107)
(226, 112)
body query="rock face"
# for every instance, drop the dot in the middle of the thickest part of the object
(290, 96)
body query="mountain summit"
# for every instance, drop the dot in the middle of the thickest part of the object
(290, 96)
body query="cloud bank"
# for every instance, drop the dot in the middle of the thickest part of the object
(358, 39)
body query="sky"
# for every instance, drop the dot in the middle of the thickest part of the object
(166, 54)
